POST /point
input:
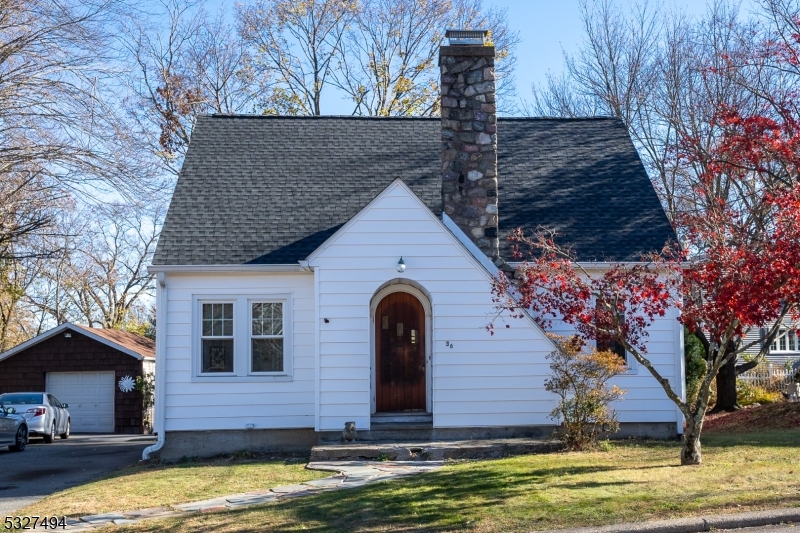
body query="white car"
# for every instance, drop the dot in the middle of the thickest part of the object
(45, 415)
(13, 430)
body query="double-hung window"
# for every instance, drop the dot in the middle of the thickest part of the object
(242, 337)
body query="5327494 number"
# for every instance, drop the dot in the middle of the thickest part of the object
(35, 522)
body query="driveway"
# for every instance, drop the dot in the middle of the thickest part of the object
(43, 469)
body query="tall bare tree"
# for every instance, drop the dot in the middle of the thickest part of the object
(381, 54)
(388, 62)
(109, 265)
(296, 43)
(187, 62)
(100, 276)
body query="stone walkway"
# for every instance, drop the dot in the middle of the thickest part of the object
(349, 475)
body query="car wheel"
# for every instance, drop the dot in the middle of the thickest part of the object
(52, 436)
(21, 440)
(65, 435)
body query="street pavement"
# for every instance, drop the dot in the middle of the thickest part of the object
(43, 469)
(790, 528)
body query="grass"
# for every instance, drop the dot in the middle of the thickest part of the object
(632, 481)
(156, 485)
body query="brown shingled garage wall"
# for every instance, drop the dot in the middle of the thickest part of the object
(26, 371)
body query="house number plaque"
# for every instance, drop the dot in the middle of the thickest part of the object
(448, 344)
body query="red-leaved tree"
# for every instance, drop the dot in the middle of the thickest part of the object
(739, 268)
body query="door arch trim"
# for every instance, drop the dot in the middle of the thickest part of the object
(423, 296)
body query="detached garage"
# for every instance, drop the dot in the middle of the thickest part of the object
(86, 368)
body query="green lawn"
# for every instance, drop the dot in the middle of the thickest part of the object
(634, 481)
(155, 485)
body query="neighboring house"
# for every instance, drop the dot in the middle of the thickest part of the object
(82, 367)
(785, 347)
(319, 270)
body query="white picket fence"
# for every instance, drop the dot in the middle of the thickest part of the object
(768, 376)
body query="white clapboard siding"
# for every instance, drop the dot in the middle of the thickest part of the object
(221, 404)
(483, 380)
(666, 353)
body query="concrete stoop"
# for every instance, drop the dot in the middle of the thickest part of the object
(431, 451)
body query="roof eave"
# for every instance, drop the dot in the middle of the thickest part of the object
(170, 269)
(77, 329)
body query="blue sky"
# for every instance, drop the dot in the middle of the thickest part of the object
(546, 27)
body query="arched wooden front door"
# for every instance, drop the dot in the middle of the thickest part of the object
(399, 354)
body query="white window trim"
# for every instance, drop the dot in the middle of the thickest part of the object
(242, 361)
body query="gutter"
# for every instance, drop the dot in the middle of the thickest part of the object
(155, 269)
(161, 369)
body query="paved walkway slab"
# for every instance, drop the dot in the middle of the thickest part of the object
(347, 474)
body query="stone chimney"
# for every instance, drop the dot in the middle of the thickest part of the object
(469, 137)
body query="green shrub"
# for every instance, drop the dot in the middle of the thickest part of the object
(695, 363)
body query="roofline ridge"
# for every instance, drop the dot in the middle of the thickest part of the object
(378, 119)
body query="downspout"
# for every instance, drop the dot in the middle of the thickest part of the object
(161, 364)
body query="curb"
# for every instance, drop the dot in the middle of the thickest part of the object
(700, 523)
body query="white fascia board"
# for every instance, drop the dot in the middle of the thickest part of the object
(177, 269)
(591, 265)
(467, 243)
(72, 327)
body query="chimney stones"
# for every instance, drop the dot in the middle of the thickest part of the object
(469, 140)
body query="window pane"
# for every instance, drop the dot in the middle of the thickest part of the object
(791, 340)
(277, 319)
(217, 355)
(267, 355)
(217, 320)
(267, 319)
(257, 310)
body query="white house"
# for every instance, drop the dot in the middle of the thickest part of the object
(319, 270)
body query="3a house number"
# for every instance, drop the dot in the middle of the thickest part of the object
(448, 344)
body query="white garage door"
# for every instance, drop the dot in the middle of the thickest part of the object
(90, 396)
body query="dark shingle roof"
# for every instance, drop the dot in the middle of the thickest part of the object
(272, 189)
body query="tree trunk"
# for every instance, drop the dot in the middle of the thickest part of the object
(726, 386)
(690, 453)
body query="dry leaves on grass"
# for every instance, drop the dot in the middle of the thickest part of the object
(784, 415)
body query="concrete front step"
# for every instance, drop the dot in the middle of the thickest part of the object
(415, 432)
(431, 451)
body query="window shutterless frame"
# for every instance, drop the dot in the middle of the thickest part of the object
(242, 337)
